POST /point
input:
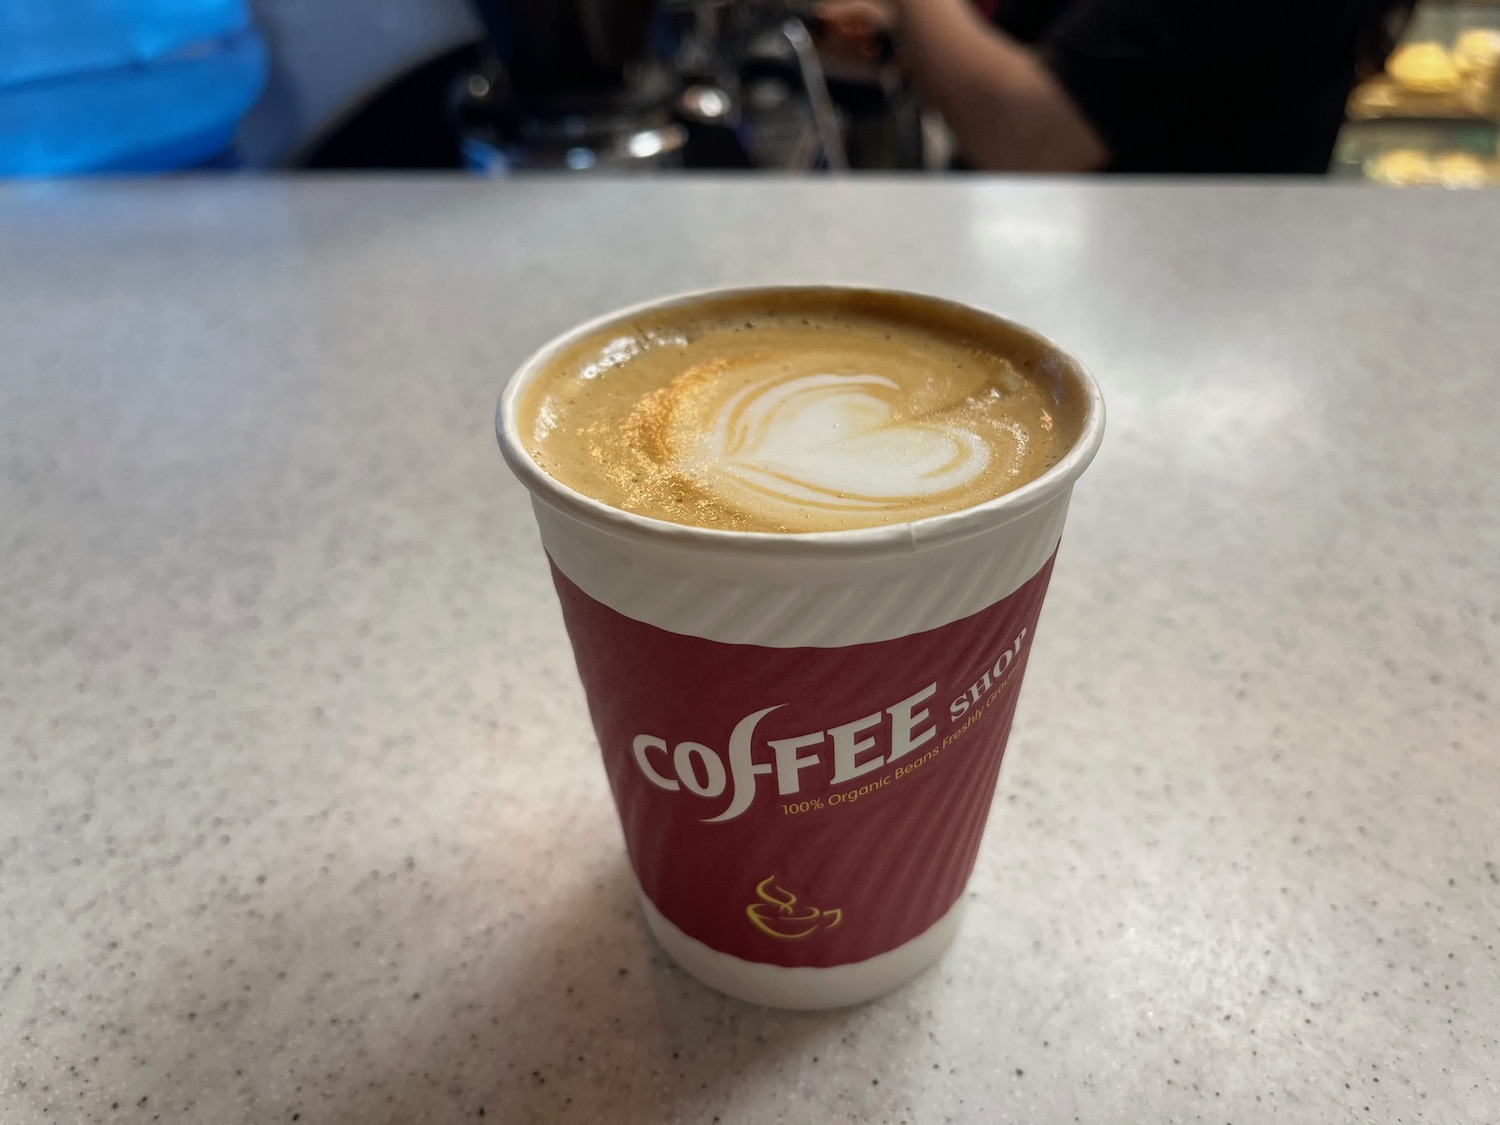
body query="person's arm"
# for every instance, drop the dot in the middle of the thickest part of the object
(1005, 108)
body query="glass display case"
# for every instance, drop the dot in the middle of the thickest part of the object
(1431, 117)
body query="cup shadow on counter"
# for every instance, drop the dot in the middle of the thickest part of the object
(565, 1014)
(594, 1023)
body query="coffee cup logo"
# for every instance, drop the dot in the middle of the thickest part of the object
(804, 807)
(849, 750)
(778, 914)
(821, 765)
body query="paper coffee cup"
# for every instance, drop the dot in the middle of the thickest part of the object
(802, 732)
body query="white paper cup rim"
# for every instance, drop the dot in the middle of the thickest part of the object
(864, 542)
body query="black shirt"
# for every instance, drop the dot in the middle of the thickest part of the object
(1201, 85)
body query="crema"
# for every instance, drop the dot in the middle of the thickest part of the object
(799, 410)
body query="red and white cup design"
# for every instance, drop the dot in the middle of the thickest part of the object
(802, 732)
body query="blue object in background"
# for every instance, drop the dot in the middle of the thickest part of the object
(123, 85)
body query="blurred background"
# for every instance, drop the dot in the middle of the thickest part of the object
(1400, 93)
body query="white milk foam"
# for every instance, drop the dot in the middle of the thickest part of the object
(788, 411)
(835, 442)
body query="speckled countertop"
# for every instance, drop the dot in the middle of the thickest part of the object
(300, 817)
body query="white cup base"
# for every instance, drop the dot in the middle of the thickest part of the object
(807, 988)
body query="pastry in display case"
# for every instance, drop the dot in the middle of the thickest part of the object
(1424, 68)
(1477, 50)
(1409, 167)
(1476, 54)
(1430, 119)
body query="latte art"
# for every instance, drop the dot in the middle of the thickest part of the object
(835, 442)
(801, 410)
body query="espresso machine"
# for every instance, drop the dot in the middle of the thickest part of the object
(644, 85)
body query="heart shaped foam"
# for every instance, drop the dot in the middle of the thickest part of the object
(832, 441)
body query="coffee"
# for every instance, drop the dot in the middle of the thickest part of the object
(802, 732)
(798, 410)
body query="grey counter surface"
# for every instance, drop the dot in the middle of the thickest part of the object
(300, 815)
